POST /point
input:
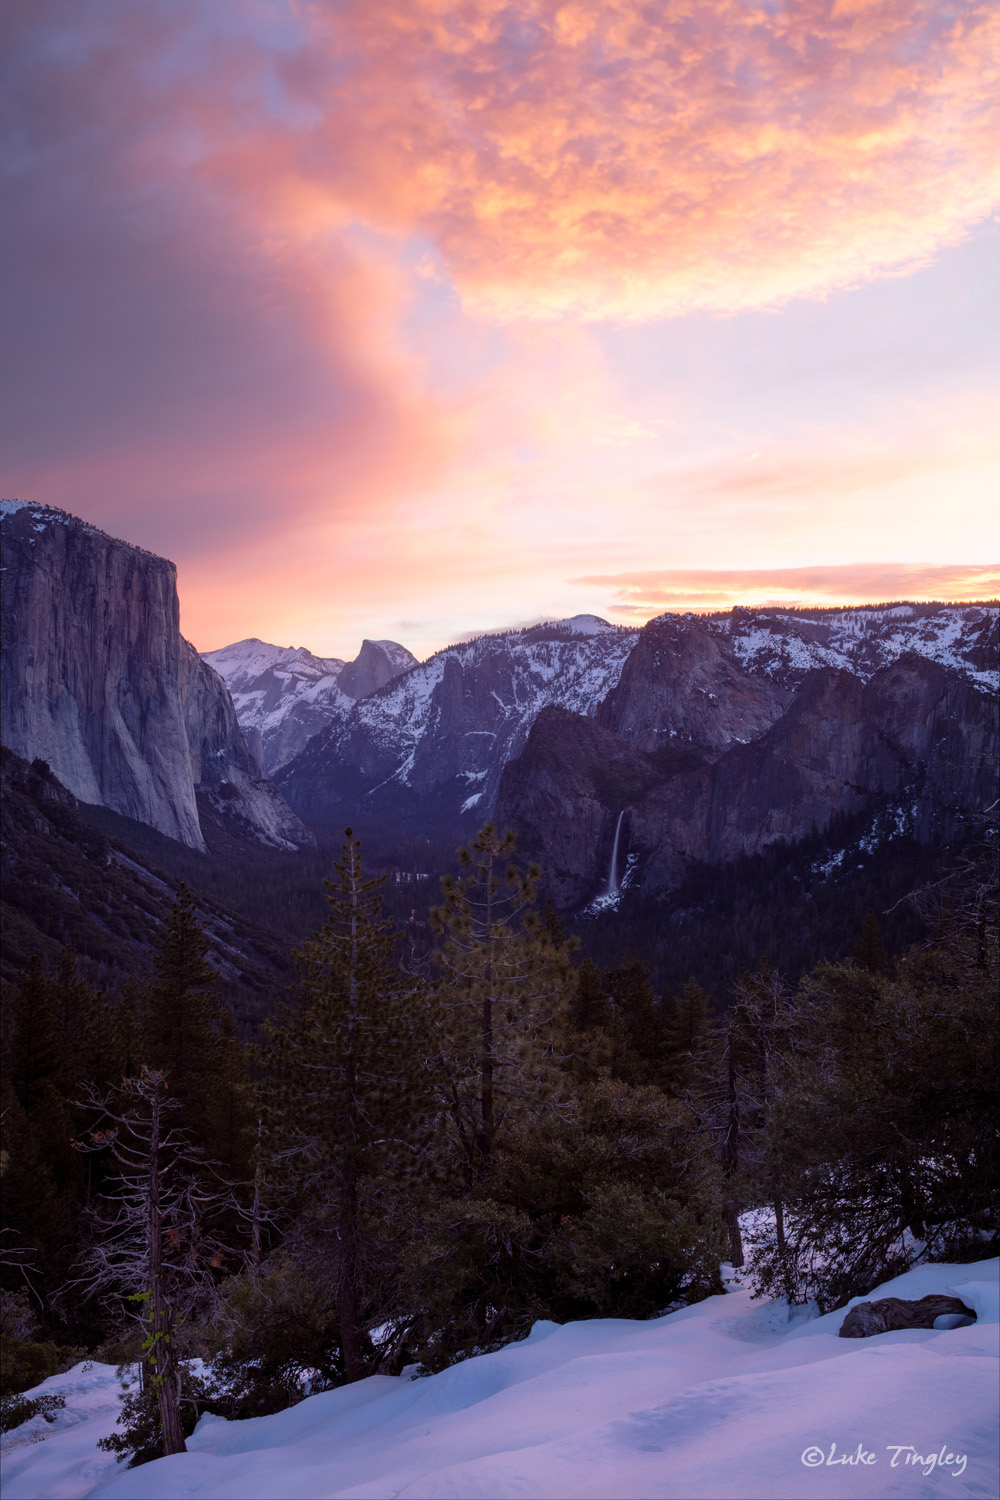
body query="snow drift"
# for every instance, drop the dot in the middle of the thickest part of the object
(729, 1398)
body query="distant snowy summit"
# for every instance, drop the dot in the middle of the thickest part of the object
(431, 744)
(555, 728)
(284, 694)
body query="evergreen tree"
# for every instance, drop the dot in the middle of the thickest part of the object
(589, 1010)
(345, 1069)
(636, 1026)
(194, 1044)
(732, 1078)
(882, 1129)
(38, 1058)
(180, 1036)
(582, 1194)
(690, 1019)
(504, 995)
(153, 1234)
(870, 952)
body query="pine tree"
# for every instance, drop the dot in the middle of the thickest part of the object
(38, 1047)
(870, 952)
(193, 1043)
(589, 1010)
(181, 1039)
(345, 1067)
(504, 991)
(637, 1024)
(733, 1077)
(690, 1019)
(882, 1129)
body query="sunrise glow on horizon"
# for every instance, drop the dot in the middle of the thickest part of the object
(418, 319)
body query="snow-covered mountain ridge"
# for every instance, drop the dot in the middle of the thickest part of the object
(450, 725)
(725, 735)
(447, 728)
(284, 694)
(784, 645)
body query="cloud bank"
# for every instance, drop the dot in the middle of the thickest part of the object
(317, 296)
(642, 595)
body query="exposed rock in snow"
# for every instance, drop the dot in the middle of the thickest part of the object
(756, 729)
(683, 685)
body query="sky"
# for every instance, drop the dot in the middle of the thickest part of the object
(412, 319)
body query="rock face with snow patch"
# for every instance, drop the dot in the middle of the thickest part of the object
(284, 694)
(98, 682)
(682, 685)
(433, 742)
(757, 729)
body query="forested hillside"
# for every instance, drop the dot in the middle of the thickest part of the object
(437, 1142)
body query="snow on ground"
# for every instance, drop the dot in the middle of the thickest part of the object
(60, 1459)
(725, 1399)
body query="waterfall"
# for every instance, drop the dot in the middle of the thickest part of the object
(613, 872)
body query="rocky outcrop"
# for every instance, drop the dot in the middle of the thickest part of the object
(431, 746)
(564, 793)
(98, 682)
(890, 1314)
(377, 663)
(223, 767)
(680, 685)
(917, 733)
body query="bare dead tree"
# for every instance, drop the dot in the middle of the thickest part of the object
(152, 1244)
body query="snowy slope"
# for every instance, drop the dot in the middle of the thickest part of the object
(564, 664)
(724, 1399)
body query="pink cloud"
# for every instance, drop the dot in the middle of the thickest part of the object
(612, 158)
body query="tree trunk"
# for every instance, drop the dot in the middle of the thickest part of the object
(487, 1130)
(161, 1357)
(347, 1280)
(170, 1408)
(735, 1238)
(347, 1270)
(730, 1161)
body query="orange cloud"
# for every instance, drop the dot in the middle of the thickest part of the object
(608, 158)
(641, 595)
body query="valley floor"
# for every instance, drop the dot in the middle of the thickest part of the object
(729, 1398)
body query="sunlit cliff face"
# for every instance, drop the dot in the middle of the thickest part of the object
(417, 317)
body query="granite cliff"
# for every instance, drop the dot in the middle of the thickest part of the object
(710, 752)
(98, 682)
